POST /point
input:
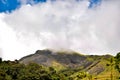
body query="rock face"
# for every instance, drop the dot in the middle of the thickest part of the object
(46, 57)
(67, 59)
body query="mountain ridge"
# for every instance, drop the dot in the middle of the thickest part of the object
(90, 63)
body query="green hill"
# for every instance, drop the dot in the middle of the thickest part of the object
(61, 65)
(95, 65)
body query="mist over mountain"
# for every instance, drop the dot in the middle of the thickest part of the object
(85, 26)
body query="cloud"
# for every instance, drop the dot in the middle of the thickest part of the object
(67, 25)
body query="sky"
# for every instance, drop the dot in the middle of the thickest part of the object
(84, 26)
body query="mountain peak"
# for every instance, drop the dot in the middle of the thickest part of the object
(67, 60)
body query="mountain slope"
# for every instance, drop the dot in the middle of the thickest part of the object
(93, 64)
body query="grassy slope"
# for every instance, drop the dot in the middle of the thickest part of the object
(57, 66)
(105, 75)
(94, 70)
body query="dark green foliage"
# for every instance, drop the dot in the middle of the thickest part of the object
(0, 59)
(12, 70)
(117, 61)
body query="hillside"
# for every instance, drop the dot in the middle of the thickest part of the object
(93, 64)
(62, 65)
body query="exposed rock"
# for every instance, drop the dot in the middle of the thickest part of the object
(69, 60)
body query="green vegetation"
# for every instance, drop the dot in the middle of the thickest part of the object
(100, 68)
(117, 62)
(12, 70)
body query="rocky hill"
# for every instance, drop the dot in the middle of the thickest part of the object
(93, 64)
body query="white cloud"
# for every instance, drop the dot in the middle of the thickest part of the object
(61, 25)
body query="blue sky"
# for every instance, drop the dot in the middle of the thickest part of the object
(10, 5)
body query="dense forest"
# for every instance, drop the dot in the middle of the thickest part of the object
(14, 70)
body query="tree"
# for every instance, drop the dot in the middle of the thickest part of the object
(117, 62)
(0, 60)
(111, 64)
